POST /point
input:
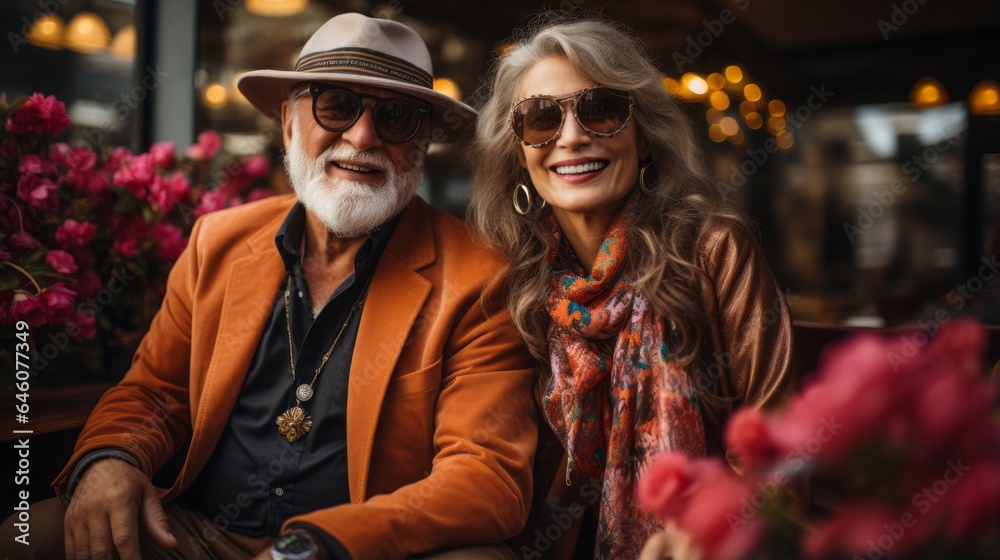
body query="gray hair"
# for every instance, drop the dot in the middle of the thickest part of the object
(670, 222)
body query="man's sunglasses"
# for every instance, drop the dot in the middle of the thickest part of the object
(337, 108)
(538, 120)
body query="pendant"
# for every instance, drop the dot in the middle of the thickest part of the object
(304, 392)
(294, 423)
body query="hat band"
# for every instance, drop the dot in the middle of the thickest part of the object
(364, 62)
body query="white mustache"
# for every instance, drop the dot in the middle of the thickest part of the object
(335, 153)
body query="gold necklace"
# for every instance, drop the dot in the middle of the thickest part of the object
(296, 422)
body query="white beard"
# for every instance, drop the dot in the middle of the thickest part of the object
(349, 208)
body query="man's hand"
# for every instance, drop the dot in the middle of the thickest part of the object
(103, 514)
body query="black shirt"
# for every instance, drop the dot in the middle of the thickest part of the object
(255, 479)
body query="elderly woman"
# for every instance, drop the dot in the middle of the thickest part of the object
(652, 306)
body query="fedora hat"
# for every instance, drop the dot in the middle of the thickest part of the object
(357, 49)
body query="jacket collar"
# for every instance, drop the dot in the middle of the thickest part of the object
(395, 299)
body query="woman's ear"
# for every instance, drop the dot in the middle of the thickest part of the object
(642, 147)
(520, 157)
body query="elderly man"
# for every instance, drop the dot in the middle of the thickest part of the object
(324, 366)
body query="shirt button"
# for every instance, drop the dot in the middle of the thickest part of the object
(279, 492)
(300, 294)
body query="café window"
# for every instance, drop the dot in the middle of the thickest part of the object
(84, 53)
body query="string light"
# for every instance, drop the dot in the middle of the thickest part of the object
(448, 87)
(87, 33)
(716, 81)
(928, 92)
(776, 108)
(276, 8)
(985, 98)
(719, 100)
(47, 32)
(734, 74)
(215, 95)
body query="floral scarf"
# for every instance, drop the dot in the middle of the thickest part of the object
(613, 396)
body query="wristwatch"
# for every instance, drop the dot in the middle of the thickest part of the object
(295, 545)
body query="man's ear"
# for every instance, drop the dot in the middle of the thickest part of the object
(286, 123)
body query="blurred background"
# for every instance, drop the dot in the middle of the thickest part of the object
(863, 136)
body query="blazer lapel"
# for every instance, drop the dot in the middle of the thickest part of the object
(250, 287)
(394, 301)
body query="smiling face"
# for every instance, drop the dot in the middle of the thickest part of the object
(352, 180)
(578, 173)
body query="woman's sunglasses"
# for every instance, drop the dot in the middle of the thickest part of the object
(337, 108)
(538, 120)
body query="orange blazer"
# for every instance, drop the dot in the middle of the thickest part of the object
(441, 421)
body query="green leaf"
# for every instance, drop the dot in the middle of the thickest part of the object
(13, 107)
(135, 266)
(124, 205)
(9, 281)
(32, 257)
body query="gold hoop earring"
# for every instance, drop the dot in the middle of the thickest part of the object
(642, 178)
(521, 187)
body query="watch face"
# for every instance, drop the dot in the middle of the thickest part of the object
(294, 546)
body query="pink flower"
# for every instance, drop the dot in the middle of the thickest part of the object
(5, 254)
(243, 175)
(23, 241)
(163, 154)
(35, 165)
(165, 193)
(58, 152)
(664, 489)
(210, 202)
(80, 159)
(40, 115)
(91, 182)
(120, 155)
(721, 516)
(950, 417)
(207, 146)
(707, 500)
(958, 346)
(39, 193)
(170, 241)
(28, 308)
(86, 325)
(88, 284)
(75, 234)
(59, 302)
(136, 175)
(748, 438)
(855, 390)
(127, 247)
(256, 166)
(974, 501)
(61, 261)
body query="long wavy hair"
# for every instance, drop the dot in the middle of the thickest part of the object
(665, 234)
